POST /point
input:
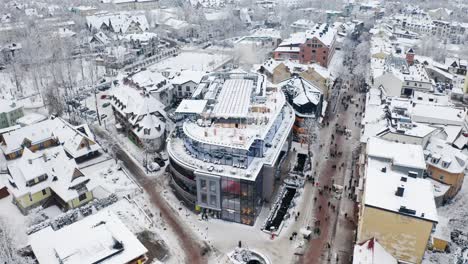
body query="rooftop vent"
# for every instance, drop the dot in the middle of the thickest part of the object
(399, 192)
(403, 179)
(405, 210)
(384, 169)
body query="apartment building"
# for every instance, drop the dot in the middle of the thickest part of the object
(228, 145)
(316, 45)
(395, 192)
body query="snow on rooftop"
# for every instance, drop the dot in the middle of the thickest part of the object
(406, 155)
(191, 106)
(56, 128)
(119, 22)
(452, 159)
(31, 118)
(433, 114)
(61, 172)
(7, 106)
(185, 76)
(234, 98)
(371, 252)
(130, 100)
(303, 90)
(95, 239)
(381, 191)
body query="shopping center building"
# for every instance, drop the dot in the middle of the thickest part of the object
(229, 143)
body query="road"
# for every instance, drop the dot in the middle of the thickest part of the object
(191, 247)
(336, 215)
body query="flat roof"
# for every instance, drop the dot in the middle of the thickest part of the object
(407, 155)
(381, 187)
(234, 98)
(188, 106)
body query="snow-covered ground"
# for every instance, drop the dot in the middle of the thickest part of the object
(224, 236)
(194, 60)
(111, 180)
(457, 214)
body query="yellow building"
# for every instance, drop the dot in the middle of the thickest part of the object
(397, 209)
(50, 177)
(445, 164)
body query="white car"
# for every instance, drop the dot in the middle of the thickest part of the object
(153, 166)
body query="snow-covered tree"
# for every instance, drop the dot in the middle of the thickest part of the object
(8, 248)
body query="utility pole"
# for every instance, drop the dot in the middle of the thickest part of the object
(96, 102)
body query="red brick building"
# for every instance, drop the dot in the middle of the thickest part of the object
(313, 46)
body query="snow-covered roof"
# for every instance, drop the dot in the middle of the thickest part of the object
(145, 113)
(303, 24)
(119, 22)
(252, 102)
(151, 81)
(142, 37)
(414, 130)
(372, 252)
(451, 159)
(185, 76)
(405, 155)
(384, 185)
(216, 16)
(7, 106)
(191, 106)
(99, 238)
(429, 98)
(69, 136)
(440, 189)
(31, 118)
(433, 114)
(101, 37)
(63, 175)
(234, 98)
(322, 32)
(303, 91)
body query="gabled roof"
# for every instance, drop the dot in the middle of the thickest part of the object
(61, 174)
(119, 22)
(372, 252)
(56, 128)
(303, 91)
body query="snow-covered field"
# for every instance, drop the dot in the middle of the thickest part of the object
(194, 60)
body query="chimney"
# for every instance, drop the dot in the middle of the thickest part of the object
(30, 161)
(44, 156)
(410, 56)
(399, 192)
(384, 169)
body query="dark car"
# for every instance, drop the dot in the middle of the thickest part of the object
(159, 161)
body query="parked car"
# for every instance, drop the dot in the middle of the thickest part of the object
(153, 166)
(103, 116)
(104, 105)
(159, 161)
(83, 109)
